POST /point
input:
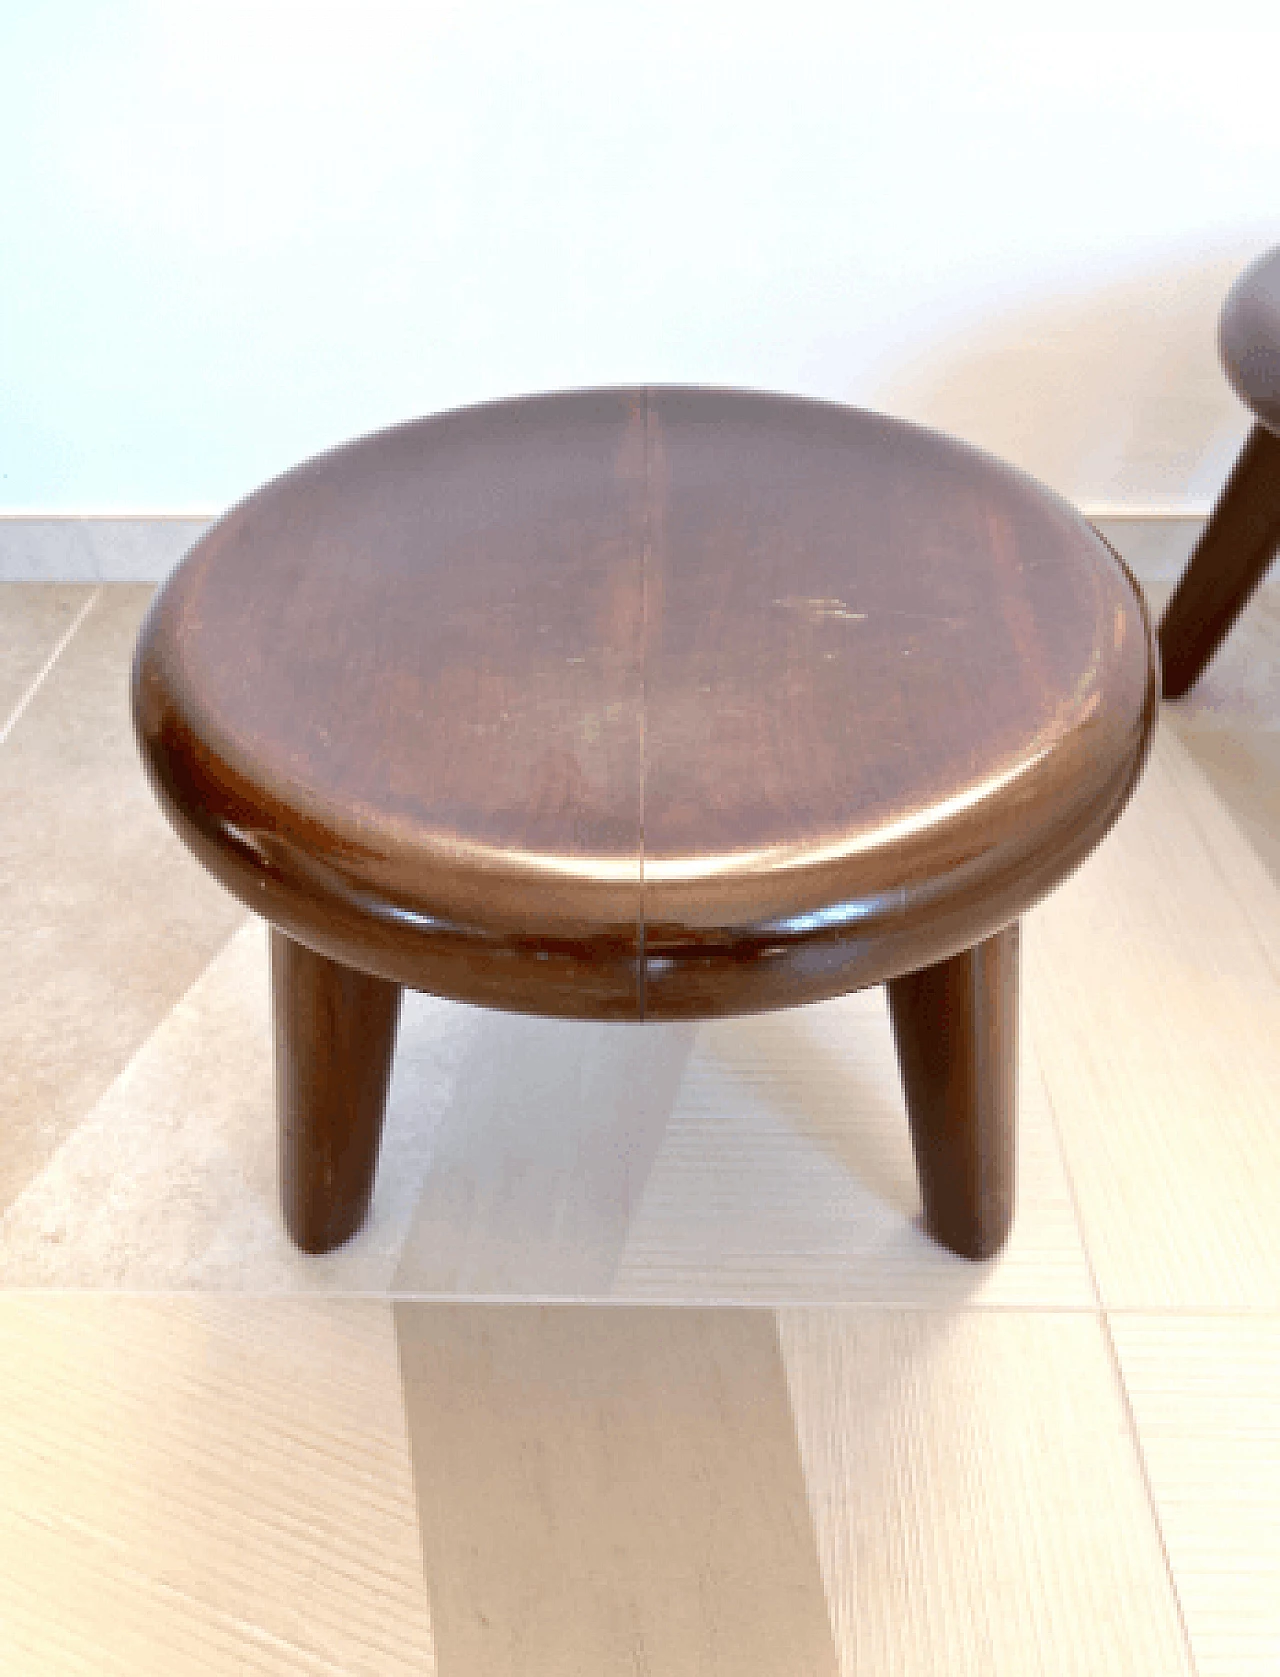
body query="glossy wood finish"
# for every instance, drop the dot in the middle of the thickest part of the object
(1231, 558)
(956, 1029)
(393, 702)
(335, 1032)
(1249, 338)
(646, 703)
(894, 691)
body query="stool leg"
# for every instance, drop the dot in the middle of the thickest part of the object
(1228, 563)
(335, 1031)
(956, 1027)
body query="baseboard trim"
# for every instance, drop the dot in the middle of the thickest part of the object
(95, 547)
(108, 515)
(144, 546)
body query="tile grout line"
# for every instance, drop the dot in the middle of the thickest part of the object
(585, 1301)
(392, 1305)
(27, 1187)
(1131, 1420)
(1215, 862)
(829, 1599)
(1098, 1307)
(1113, 1356)
(20, 708)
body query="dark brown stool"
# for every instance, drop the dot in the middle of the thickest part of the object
(647, 704)
(1241, 537)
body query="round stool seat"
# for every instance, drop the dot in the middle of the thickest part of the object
(1249, 339)
(646, 703)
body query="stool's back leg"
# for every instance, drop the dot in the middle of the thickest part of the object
(956, 1027)
(335, 1031)
(1229, 561)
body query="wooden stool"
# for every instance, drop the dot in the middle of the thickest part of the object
(1241, 537)
(647, 704)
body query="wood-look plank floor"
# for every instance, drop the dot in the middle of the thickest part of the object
(197, 1485)
(979, 1505)
(1230, 722)
(767, 1421)
(1162, 1068)
(611, 1491)
(1206, 1399)
(104, 919)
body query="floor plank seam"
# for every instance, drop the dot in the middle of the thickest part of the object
(1056, 1128)
(125, 1069)
(711, 1301)
(46, 669)
(1131, 1420)
(411, 1456)
(1248, 911)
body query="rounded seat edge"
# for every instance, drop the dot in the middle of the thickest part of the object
(1249, 338)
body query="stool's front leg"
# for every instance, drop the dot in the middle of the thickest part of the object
(335, 1031)
(956, 1027)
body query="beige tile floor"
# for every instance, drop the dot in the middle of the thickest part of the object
(643, 1364)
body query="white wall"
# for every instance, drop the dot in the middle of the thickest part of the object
(233, 234)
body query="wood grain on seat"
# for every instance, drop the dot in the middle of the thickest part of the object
(646, 703)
